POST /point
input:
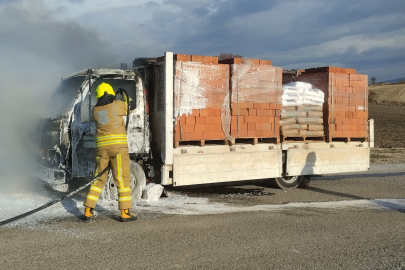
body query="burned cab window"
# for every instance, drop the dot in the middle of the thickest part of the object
(64, 95)
(128, 85)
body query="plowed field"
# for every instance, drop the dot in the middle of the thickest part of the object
(389, 124)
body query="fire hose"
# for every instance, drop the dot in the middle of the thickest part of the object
(120, 90)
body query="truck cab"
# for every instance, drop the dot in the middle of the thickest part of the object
(66, 140)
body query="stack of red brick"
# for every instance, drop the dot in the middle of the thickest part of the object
(240, 98)
(255, 91)
(346, 109)
(202, 124)
(200, 87)
(255, 120)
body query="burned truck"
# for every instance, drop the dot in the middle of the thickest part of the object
(188, 127)
(66, 141)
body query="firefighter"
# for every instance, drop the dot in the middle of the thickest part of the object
(112, 151)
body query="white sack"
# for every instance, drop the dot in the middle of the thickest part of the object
(153, 192)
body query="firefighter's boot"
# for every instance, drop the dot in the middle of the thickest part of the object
(89, 214)
(127, 216)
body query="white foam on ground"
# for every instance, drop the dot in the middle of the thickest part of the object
(15, 204)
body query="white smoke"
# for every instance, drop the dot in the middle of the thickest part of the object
(36, 50)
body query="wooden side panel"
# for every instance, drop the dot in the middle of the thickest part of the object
(325, 161)
(195, 169)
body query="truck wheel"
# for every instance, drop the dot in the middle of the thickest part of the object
(138, 184)
(289, 181)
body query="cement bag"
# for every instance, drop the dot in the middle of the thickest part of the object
(313, 103)
(309, 121)
(290, 114)
(293, 126)
(301, 85)
(314, 92)
(287, 103)
(316, 99)
(290, 133)
(314, 114)
(290, 108)
(292, 91)
(307, 133)
(153, 192)
(315, 127)
(287, 121)
(291, 96)
(309, 108)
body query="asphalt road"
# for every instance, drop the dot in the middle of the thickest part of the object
(334, 224)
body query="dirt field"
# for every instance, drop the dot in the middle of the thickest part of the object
(388, 93)
(389, 122)
(389, 125)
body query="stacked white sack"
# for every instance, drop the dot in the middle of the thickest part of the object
(301, 114)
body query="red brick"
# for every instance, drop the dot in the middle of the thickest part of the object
(218, 128)
(268, 126)
(251, 126)
(189, 128)
(243, 134)
(260, 126)
(204, 112)
(252, 119)
(252, 134)
(257, 105)
(243, 126)
(199, 136)
(209, 135)
(209, 128)
(199, 128)
(252, 112)
(214, 112)
(213, 120)
(265, 62)
(182, 120)
(200, 120)
(261, 133)
(190, 120)
(240, 105)
(352, 121)
(188, 136)
(218, 135)
(182, 57)
(262, 112)
(264, 119)
(242, 112)
(195, 112)
(235, 119)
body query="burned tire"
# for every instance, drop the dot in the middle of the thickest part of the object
(138, 184)
(289, 181)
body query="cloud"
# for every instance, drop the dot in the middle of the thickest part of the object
(76, 1)
(278, 30)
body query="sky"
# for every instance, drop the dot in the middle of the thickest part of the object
(368, 35)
